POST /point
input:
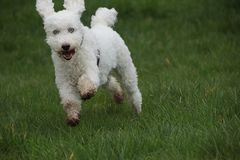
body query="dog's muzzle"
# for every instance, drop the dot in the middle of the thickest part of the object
(67, 54)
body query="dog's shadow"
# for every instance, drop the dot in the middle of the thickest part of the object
(100, 113)
(41, 123)
(110, 116)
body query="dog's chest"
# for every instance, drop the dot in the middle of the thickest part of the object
(73, 72)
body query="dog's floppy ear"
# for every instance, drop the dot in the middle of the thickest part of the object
(45, 8)
(77, 6)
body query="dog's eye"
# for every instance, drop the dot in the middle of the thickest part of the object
(56, 32)
(71, 30)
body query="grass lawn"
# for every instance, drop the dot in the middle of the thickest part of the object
(188, 58)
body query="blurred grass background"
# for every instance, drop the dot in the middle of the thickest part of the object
(187, 56)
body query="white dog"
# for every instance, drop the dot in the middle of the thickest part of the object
(85, 57)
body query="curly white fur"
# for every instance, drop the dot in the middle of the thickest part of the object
(104, 16)
(78, 74)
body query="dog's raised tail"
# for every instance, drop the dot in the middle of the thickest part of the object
(104, 16)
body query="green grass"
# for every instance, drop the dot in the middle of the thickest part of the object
(187, 55)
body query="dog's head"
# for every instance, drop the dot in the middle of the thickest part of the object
(63, 29)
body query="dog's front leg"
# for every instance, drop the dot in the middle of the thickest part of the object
(70, 100)
(86, 87)
(88, 82)
(72, 109)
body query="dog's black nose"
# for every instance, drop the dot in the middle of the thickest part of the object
(65, 47)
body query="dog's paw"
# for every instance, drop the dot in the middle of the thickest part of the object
(118, 97)
(73, 120)
(87, 89)
(137, 109)
(89, 94)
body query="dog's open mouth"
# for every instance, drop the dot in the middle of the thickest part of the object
(68, 54)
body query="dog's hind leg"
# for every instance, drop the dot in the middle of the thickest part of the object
(115, 88)
(127, 71)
